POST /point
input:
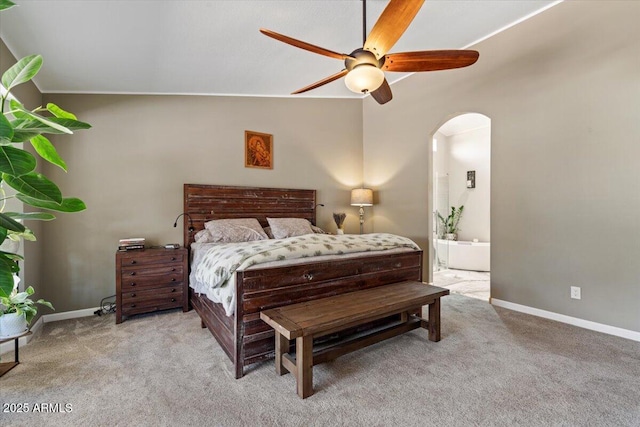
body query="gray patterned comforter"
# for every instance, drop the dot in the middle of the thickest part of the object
(214, 273)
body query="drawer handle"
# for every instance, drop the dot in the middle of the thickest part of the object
(173, 279)
(173, 289)
(173, 269)
(173, 258)
(133, 261)
(173, 300)
(133, 273)
(398, 264)
(307, 276)
(133, 295)
(133, 283)
(133, 305)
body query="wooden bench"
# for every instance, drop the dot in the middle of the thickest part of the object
(308, 320)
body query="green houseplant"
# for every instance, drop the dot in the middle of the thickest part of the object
(18, 311)
(19, 126)
(450, 223)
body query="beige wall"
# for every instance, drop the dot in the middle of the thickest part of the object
(130, 168)
(563, 94)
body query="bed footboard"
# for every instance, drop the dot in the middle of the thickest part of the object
(246, 339)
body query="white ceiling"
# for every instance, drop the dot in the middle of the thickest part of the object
(214, 47)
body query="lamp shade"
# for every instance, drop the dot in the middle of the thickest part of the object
(364, 78)
(361, 197)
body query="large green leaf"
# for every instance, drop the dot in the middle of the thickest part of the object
(22, 71)
(6, 130)
(48, 122)
(70, 124)
(19, 136)
(10, 260)
(59, 112)
(17, 109)
(3, 234)
(6, 280)
(47, 125)
(16, 162)
(47, 151)
(7, 268)
(31, 125)
(42, 216)
(71, 204)
(6, 4)
(34, 185)
(10, 224)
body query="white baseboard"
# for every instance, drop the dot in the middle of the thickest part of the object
(47, 318)
(586, 324)
(54, 317)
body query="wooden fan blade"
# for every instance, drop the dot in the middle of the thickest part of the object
(322, 82)
(303, 45)
(429, 60)
(383, 94)
(393, 22)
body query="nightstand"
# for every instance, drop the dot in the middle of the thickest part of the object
(149, 280)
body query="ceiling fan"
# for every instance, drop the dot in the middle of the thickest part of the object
(365, 66)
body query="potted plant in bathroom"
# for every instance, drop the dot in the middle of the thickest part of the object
(450, 223)
(18, 126)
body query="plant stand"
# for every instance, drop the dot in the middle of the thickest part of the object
(7, 366)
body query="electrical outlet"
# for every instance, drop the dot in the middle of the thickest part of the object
(575, 292)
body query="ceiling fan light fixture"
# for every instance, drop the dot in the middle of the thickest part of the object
(364, 78)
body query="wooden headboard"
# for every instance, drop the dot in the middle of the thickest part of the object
(206, 202)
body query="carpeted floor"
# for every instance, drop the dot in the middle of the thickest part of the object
(492, 367)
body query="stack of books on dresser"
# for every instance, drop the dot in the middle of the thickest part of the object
(130, 244)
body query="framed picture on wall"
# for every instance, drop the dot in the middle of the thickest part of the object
(258, 150)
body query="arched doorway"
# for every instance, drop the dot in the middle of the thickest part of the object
(459, 196)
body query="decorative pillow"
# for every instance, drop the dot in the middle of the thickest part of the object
(235, 230)
(203, 236)
(289, 227)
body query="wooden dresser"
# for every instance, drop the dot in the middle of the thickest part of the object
(150, 280)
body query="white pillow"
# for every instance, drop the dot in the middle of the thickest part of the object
(235, 230)
(203, 236)
(289, 227)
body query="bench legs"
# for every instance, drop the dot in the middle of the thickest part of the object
(433, 324)
(282, 348)
(304, 366)
(302, 369)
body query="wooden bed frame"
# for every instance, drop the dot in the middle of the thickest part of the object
(244, 337)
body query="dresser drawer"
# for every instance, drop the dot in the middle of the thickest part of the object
(150, 305)
(143, 281)
(151, 270)
(137, 296)
(149, 259)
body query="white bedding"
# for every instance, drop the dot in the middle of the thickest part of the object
(214, 265)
